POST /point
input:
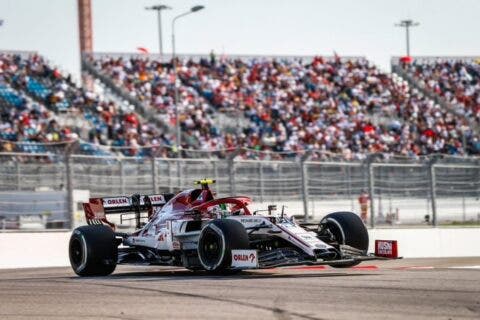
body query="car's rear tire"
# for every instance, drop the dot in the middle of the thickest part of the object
(347, 229)
(93, 250)
(216, 242)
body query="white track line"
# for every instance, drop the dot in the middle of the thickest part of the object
(465, 267)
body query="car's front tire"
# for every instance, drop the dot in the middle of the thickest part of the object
(347, 229)
(93, 250)
(216, 242)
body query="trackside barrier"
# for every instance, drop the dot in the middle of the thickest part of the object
(420, 192)
(21, 249)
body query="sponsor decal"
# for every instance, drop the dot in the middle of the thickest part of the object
(157, 199)
(244, 259)
(115, 202)
(137, 240)
(386, 248)
(306, 236)
(293, 236)
(250, 220)
(311, 240)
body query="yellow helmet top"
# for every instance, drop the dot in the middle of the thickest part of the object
(204, 182)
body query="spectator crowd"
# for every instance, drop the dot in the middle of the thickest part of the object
(339, 106)
(36, 100)
(458, 81)
(345, 106)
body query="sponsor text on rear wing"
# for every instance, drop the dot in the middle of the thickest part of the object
(96, 209)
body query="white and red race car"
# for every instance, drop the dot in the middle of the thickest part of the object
(194, 230)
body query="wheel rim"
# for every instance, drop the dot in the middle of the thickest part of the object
(211, 248)
(335, 229)
(76, 252)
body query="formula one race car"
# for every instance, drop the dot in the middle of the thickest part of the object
(193, 230)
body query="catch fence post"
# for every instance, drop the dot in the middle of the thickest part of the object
(179, 174)
(154, 175)
(231, 170)
(262, 183)
(231, 176)
(215, 174)
(433, 191)
(169, 169)
(371, 190)
(69, 186)
(122, 177)
(349, 181)
(17, 174)
(304, 176)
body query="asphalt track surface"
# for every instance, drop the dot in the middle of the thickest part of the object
(402, 289)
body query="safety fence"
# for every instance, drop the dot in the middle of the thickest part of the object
(428, 191)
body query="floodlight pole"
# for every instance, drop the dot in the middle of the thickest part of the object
(174, 67)
(407, 24)
(159, 9)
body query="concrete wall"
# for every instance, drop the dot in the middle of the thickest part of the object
(431, 242)
(48, 249)
(34, 249)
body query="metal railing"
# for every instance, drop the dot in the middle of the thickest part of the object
(428, 191)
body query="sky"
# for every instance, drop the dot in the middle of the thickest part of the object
(269, 27)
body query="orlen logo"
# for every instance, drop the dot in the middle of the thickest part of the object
(156, 199)
(117, 201)
(244, 257)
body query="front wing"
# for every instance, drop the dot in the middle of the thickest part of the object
(256, 263)
(252, 259)
(330, 263)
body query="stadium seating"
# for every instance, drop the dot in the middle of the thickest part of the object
(457, 80)
(55, 94)
(152, 83)
(11, 97)
(335, 105)
(37, 89)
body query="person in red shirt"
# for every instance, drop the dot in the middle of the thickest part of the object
(363, 200)
(132, 119)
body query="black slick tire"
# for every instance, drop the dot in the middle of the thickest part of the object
(348, 229)
(216, 242)
(93, 250)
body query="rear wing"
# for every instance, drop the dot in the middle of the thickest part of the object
(97, 208)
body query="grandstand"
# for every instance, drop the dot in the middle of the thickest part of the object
(455, 80)
(281, 105)
(38, 102)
